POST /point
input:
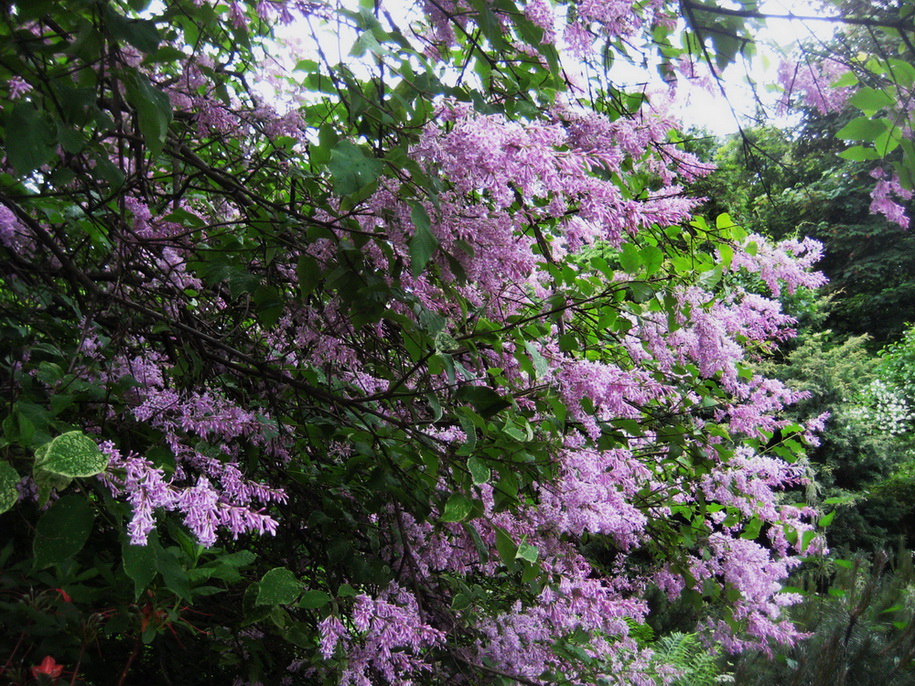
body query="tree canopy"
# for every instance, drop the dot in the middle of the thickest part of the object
(406, 361)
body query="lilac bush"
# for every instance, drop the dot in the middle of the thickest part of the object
(433, 377)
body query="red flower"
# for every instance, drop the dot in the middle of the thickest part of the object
(48, 667)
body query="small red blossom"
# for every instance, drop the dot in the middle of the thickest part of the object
(48, 667)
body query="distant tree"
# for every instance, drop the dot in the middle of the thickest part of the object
(791, 183)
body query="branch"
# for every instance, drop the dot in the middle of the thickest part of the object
(900, 24)
(496, 672)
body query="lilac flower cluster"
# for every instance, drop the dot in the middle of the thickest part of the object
(882, 197)
(147, 489)
(616, 393)
(594, 493)
(387, 636)
(811, 81)
(13, 235)
(17, 87)
(747, 566)
(210, 492)
(788, 262)
(578, 26)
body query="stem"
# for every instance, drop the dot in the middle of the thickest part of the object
(15, 650)
(133, 656)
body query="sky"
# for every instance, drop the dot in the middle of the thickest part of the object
(711, 111)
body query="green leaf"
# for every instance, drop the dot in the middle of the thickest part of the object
(107, 171)
(70, 140)
(140, 33)
(154, 110)
(309, 274)
(424, 243)
(367, 43)
(34, 9)
(174, 575)
(858, 153)
(488, 22)
(727, 255)
(752, 528)
(460, 602)
(346, 591)
(527, 552)
(806, 538)
(29, 139)
(457, 508)
(643, 292)
(826, 519)
(140, 563)
(652, 258)
(794, 589)
(515, 432)
(485, 400)
(847, 79)
(568, 342)
(479, 471)
(327, 139)
(862, 129)
(505, 546)
(9, 478)
(279, 586)
(269, 305)
(901, 71)
(314, 599)
(62, 531)
(870, 100)
(723, 221)
(726, 46)
(72, 455)
(630, 259)
(47, 481)
(482, 549)
(889, 140)
(226, 567)
(350, 169)
(540, 364)
(180, 215)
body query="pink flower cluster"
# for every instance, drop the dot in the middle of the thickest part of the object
(811, 81)
(492, 164)
(210, 492)
(748, 567)
(614, 392)
(786, 263)
(205, 509)
(17, 87)
(387, 636)
(13, 235)
(882, 198)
